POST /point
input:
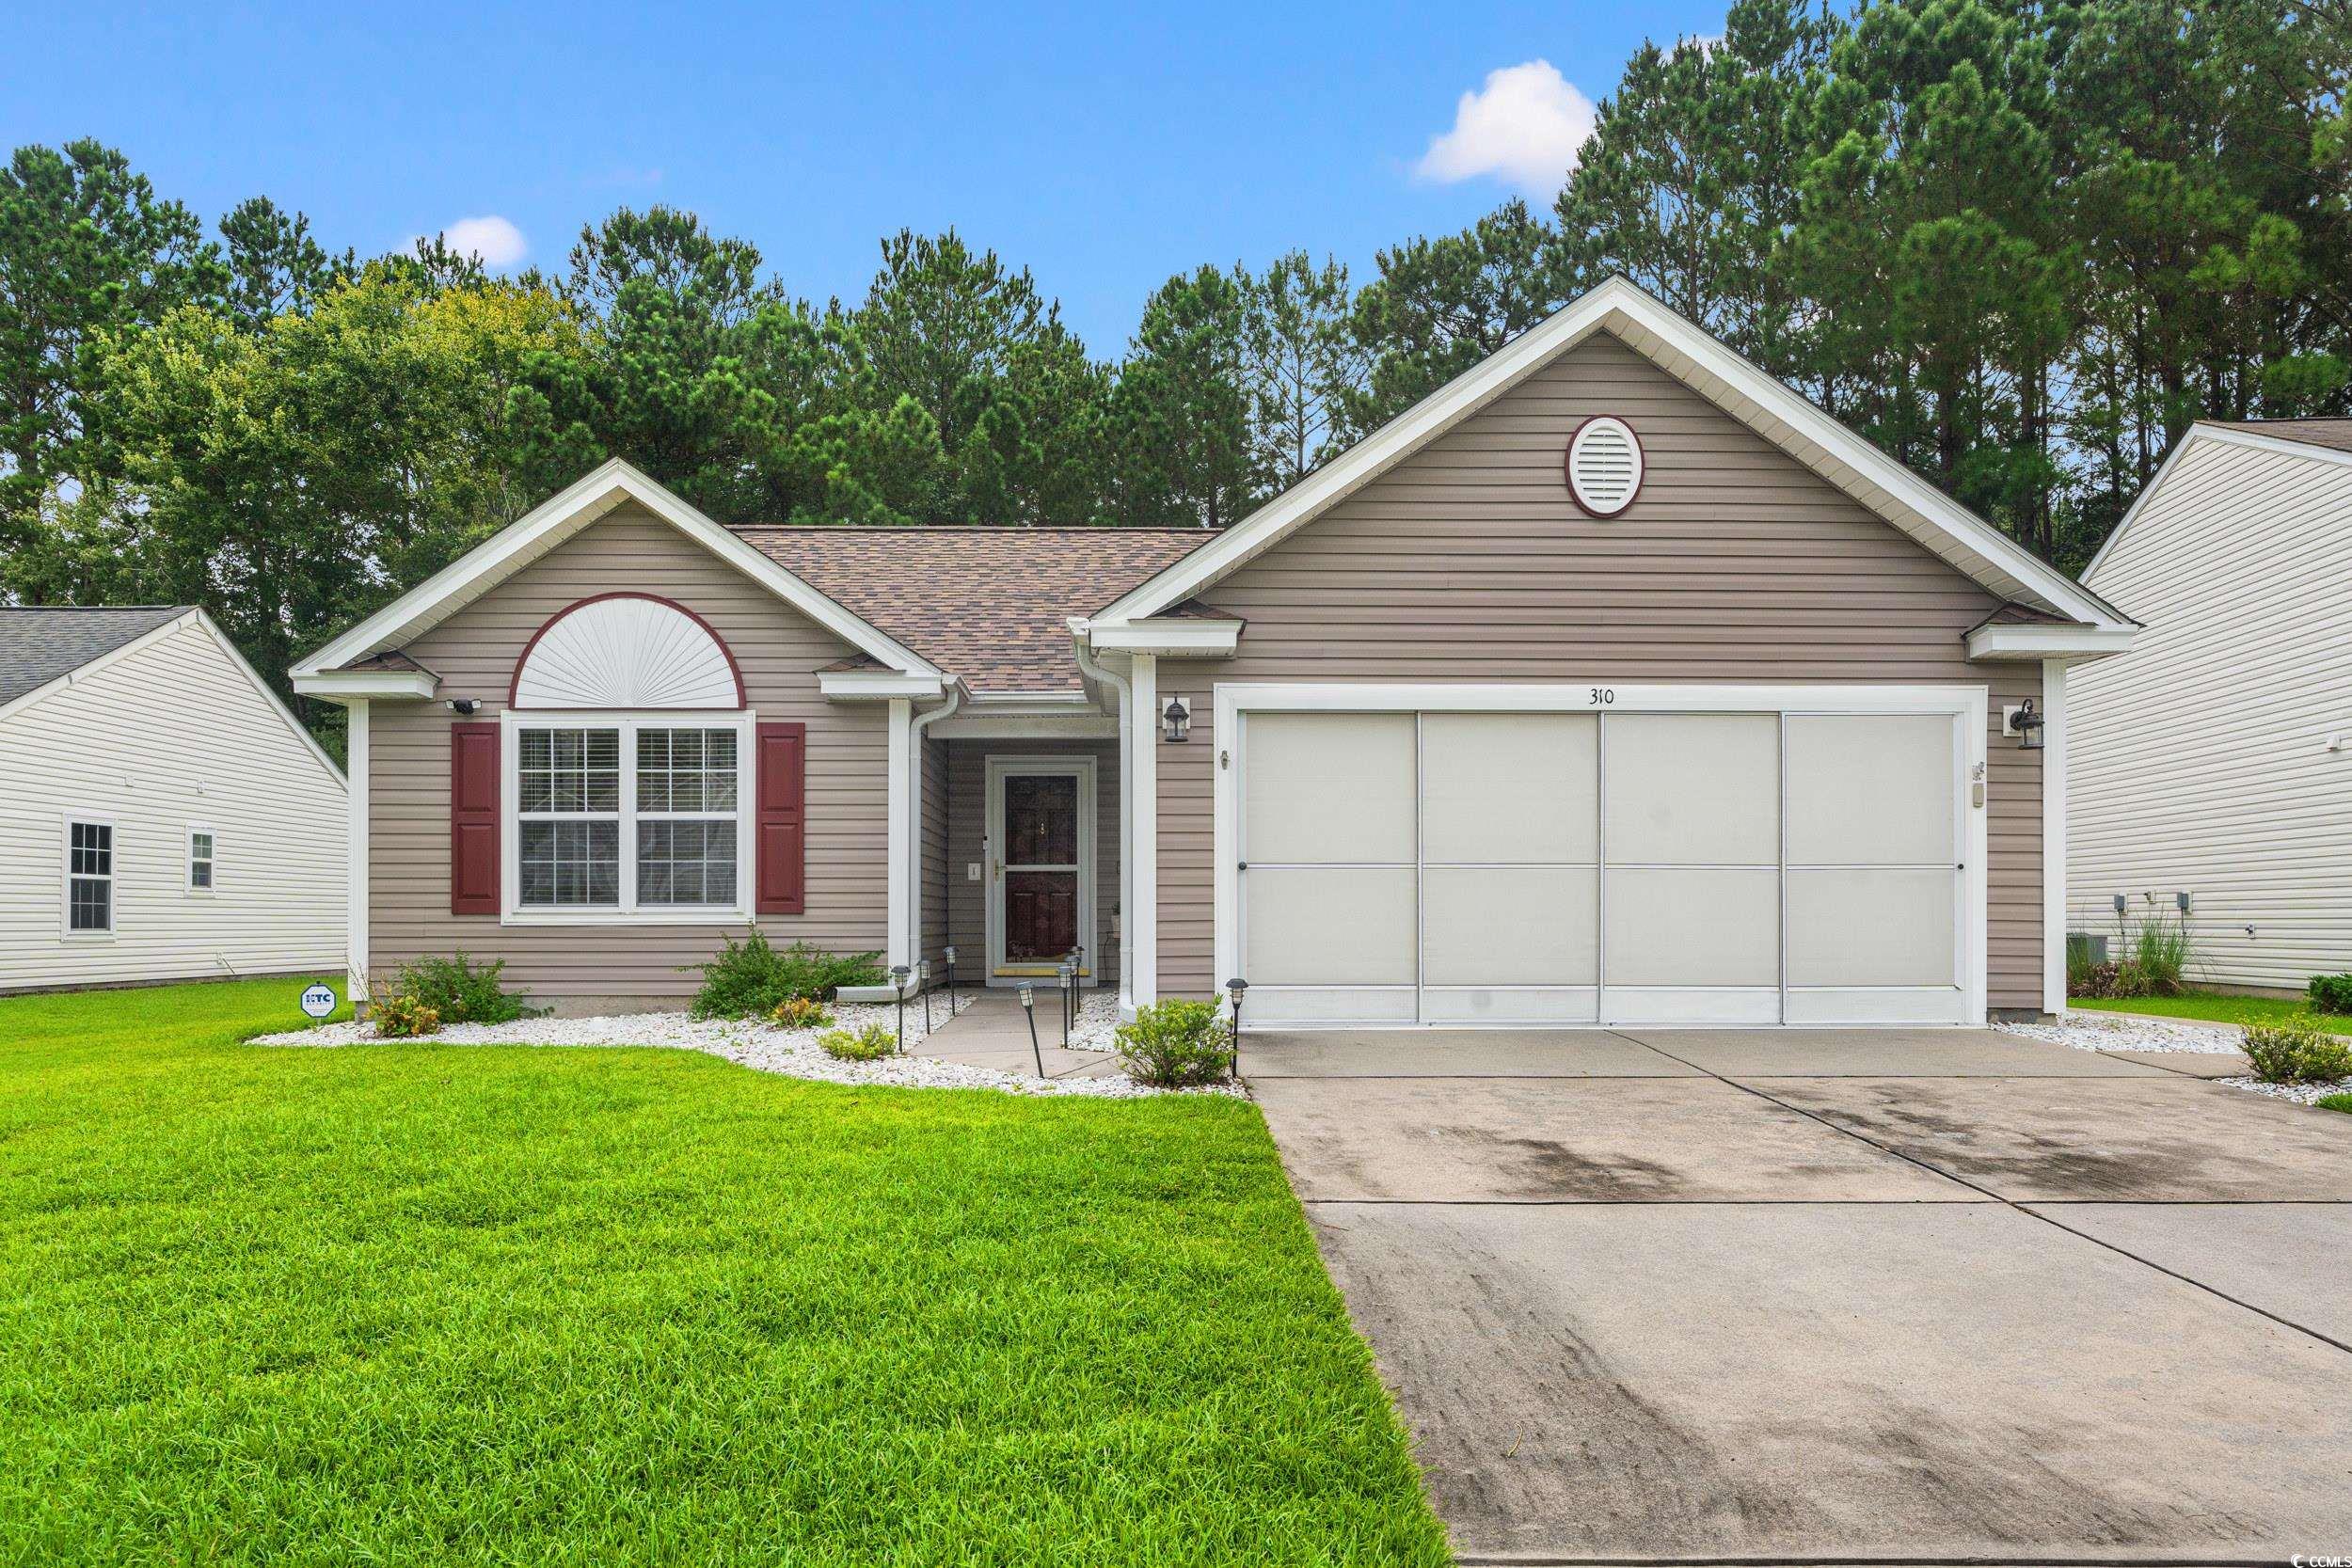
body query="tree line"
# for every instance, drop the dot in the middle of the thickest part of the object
(2021, 247)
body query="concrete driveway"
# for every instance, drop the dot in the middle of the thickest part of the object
(1822, 1295)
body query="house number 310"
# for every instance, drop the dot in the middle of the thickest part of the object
(1604, 695)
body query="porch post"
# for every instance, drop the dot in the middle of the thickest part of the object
(2053, 835)
(901, 871)
(355, 854)
(1138, 852)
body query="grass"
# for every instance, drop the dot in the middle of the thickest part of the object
(2334, 1102)
(421, 1304)
(2214, 1007)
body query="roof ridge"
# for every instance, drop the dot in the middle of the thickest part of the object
(968, 527)
(91, 608)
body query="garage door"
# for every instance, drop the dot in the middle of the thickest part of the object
(1532, 869)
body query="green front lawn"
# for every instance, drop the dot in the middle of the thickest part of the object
(432, 1304)
(2214, 1007)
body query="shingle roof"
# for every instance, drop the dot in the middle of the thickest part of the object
(988, 604)
(37, 646)
(2335, 434)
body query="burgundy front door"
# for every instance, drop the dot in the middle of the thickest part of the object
(1040, 868)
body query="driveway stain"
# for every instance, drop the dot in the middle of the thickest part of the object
(1555, 1169)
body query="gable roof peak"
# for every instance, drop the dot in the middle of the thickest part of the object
(1698, 359)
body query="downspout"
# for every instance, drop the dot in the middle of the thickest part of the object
(915, 727)
(1079, 636)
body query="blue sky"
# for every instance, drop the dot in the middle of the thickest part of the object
(1104, 150)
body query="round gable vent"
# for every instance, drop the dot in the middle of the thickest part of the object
(1604, 465)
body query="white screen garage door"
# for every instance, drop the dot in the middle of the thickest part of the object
(1402, 868)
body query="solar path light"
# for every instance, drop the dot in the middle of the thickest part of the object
(1028, 1010)
(898, 973)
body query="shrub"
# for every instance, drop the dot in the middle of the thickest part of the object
(749, 978)
(2093, 981)
(2332, 993)
(2160, 953)
(403, 1017)
(460, 992)
(1176, 1045)
(800, 1012)
(869, 1044)
(2297, 1050)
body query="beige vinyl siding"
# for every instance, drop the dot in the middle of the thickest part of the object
(172, 735)
(474, 652)
(1469, 562)
(2199, 760)
(967, 794)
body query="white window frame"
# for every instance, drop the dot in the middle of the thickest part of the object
(1966, 704)
(210, 860)
(742, 722)
(65, 878)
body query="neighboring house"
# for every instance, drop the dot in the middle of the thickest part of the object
(1707, 726)
(162, 815)
(2215, 761)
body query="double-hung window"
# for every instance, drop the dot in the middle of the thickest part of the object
(629, 815)
(199, 859)
(89, 879)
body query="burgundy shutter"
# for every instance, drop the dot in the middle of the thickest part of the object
(473, 818)
(782, 819)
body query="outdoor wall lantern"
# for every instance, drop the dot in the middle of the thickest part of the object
(1176, 720)
(2028, 725)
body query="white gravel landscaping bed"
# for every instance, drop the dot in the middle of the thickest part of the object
(792, 1052)
(2301, 1094)
(2097, 1031)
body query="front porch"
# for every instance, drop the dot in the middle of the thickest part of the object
(1020, 859)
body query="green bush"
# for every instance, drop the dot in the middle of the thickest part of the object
(2159, 953)
(460, 992)
(869, 1044)
(749, 978)
(2332, 993)
(1176, 1045)
(403, 1017)
(800, 1012)
(2298, 1051)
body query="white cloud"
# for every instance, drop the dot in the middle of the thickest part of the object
(1524, 126)
(499, 242)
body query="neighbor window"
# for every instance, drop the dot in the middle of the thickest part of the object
(199, 859)
(627, 815)
(89, 876)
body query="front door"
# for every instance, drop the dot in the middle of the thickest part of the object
(1040, 840)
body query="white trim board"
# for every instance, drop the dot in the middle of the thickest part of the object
(595, 496)
(1685, 351)
(1966, 704)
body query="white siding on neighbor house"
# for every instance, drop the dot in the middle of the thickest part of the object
(2199, 760)
(170, 735)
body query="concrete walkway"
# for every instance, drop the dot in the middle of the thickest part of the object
(1825, 1295)
(991, 1032)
